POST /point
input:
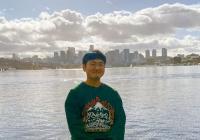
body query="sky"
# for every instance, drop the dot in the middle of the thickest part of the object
(40, 27)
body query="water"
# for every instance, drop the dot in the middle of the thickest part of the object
(160, 102)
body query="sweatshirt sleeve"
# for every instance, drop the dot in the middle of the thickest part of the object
(73, 115)
(118, 129)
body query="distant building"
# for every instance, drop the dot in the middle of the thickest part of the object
(136, 54)
(193, 56)
(62, 56)
(35, 58)
(71, 55)
(56, 56)
(180, 55)
(15, 56)
(164, 52)
(125, 56)
(154, 53)
(134, 57)
(113, 57)
(80, 55)
(71, 51)
(91, 48)
(147, 53)
(141, 56)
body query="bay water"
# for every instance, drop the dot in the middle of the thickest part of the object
(161, 102)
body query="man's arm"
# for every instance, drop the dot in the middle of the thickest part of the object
(118, 129)
(73, 115)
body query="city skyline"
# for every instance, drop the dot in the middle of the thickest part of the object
(42, 27)
(71, 51)
(70, 58)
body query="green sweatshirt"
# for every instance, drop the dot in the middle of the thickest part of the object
(95, 113)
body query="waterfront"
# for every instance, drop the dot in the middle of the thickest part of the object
(160, 102)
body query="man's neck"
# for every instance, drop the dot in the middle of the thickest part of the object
(93, 83)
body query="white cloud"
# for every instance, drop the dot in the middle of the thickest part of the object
(145, 29)
(152, 21)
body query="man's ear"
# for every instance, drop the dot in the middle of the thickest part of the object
(84, 67)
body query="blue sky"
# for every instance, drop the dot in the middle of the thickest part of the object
(42, 26)
(32, 8)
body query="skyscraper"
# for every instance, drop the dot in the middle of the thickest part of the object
(80, 55)
(113, 57)
(164, 52)
(125, 56)
(147, 53)
(15, 56)
(56, 56)
(62, 56)
(91, 48)
(154, 53)
(71, 55)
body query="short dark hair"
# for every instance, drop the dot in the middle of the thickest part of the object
(91, 55)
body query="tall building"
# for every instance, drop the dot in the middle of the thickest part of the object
(80, 55)
(154, 53)
(15, 56)
(91, 48)
(71, 50)
(71, 55)
(136, 54)
(164, 52)
(56, 56)
(125, 56)
(62, 56)
(113, 58)
(137, 58)
(147, 53)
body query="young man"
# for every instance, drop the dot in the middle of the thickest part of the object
(94, 110)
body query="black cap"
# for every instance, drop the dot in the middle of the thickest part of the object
(96, 54)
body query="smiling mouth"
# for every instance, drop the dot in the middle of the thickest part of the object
(97, 74)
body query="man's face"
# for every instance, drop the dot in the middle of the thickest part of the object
(94, 69)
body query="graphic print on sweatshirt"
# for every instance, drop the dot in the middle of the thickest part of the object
(98, 116)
